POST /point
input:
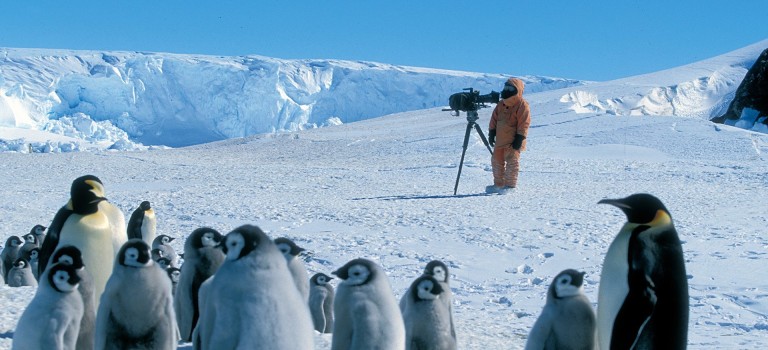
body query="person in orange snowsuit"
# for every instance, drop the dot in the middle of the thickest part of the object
(507, 132)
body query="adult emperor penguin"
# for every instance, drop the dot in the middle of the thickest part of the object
(89, 223)
(10, 253)
(203, 256)
(366, 314)
(252, 302)
(643, 294)
(143, 224)
(321, 295)
(52, 318)
(136, 310)
(163, 242)
(299, 272)
(21, 274)
(70, 255)
(428, 323)
(567, 320)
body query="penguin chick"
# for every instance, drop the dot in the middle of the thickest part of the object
(366, 314)
(39, 232)
(174, 273)
(33, 256)
(567, 320)
(136, 311)
(52, 318)
(299, 272)
(203, 256)
(428, 323)
(321, 295)
(143, 224)
(438, 270)
(10, 253)
(252, 302)
(21, 274)
(163, 242)
(70, 255)
(30, 242)
(643, 293)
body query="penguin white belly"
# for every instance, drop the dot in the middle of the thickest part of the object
(613, 286)
(148, 227)
(116, 221)
(93, 236)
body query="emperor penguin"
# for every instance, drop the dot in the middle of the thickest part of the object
(10, 253)
(39, 232)
(299, 272)
(136, 311)
(174, 273)
(252, 302)
(163, 242)
(567, 320)
(321, 295)
(366, 314)
(33, 257)
(30, 242)
(428, 324)
(21, 274)
(70, 255)
(643, 293)
(203, 255)
(438, 270)
(143, 224)
(86, 222)
(52, 318)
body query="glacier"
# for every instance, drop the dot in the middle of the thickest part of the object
(178, 100)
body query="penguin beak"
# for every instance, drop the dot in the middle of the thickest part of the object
(619, 203)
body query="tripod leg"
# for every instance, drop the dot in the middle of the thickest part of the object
(482, 137)
(463, 152)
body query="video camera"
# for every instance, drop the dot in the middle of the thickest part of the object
(471, 100)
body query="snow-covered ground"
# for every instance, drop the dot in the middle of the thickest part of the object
(383, 189)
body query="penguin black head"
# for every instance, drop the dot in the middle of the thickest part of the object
(32, 254)
(164, 263)
(13, 241)
(157, 254)
(69, 255)
(567, 283)
(30, 238)
(288, 247)
(86, 193)
(205, 237)
(438, 270)
(37, 230)
(63, 278)
(426, 288)
(356, 272)
(320, 279)
(163, 239)
(21, 263)
(135, 253)
(145, 205)
(174, 274)
(242, 241)
(640, 208)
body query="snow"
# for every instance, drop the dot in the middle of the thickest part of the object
(381, 188)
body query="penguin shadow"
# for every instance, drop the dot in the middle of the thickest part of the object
(415, 197)
(6, 335)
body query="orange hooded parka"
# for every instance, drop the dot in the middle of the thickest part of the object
(511, 116)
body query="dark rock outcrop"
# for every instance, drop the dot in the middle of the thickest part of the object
(752, 92)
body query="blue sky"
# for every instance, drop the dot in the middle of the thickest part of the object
(592, 40)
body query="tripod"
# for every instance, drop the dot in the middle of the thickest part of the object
(471, 123)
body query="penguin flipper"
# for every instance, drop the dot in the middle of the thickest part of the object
(52, 335)
(540, 331)
(316, 300)
(52, 238)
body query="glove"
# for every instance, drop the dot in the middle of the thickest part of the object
(492, 137)
(518, 141)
